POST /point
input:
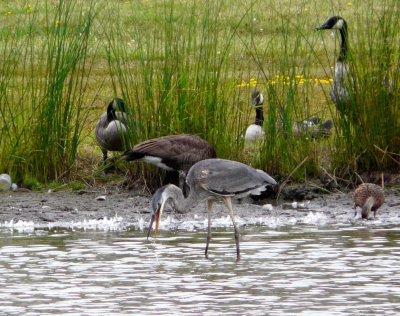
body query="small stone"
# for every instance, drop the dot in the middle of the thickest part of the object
(101, 198)
(268, 207)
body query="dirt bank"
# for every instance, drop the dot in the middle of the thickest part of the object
(50, 207)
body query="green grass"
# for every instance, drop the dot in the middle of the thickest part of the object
(187, 67)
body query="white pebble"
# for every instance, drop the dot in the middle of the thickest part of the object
(268, 207)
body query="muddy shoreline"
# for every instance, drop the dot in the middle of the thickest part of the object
(44, 208)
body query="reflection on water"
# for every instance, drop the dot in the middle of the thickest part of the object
(303, 269)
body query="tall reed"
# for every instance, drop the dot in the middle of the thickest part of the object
(175, 74)
(43, 88)
(190, 67)
(368, 134)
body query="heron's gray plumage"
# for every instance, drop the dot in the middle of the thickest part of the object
(341, 78)
(110, 131)
(228, 178)
(172, 152)
(212, 179)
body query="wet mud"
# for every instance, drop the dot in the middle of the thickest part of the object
(44, 208)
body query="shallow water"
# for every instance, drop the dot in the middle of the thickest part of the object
(312, 267)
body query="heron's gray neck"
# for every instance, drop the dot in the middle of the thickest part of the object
(181, 203)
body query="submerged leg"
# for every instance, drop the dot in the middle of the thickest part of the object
(228, 204)
(209, 206)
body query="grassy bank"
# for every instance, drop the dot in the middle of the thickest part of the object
(190, 67)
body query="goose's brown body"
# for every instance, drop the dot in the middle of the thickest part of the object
(173, 152)
(369, 197)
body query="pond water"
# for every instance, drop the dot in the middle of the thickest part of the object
(305, 268)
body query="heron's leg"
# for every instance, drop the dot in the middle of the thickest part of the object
(209, 206)
(228, 204)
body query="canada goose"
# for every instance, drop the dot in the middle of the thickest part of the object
(110, 131)
(339, 92)
(211, 180)
(172, 152)
(369, 197)
(307, 128)
(255, 131)
(312, 128)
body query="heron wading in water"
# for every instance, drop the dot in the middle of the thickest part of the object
(211, 180)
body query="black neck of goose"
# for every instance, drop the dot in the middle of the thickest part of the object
(259, 116)
(343, 45)
(111, 115)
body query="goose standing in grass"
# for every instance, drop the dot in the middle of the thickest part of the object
(110, 131)
(255, 131)
(369, 197)
(307, 128)
(211, 180)
(172, 152)
(339, 93)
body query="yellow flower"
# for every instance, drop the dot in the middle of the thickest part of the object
(253, 82)
(349, 4)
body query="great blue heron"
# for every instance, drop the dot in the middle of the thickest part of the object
(255, 131)
(211, 180)
(369, 197)
(339, 92)
(172, 152)
(110, 131)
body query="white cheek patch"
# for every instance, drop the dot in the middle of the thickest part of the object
(261, 99)
(339, 24)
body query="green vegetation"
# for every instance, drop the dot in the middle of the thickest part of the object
(189, 67)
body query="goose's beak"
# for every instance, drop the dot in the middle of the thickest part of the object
(322, 27)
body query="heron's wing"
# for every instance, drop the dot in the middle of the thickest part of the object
(228, 178)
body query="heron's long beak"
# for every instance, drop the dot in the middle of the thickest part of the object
(156, 216)
(151, 225)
